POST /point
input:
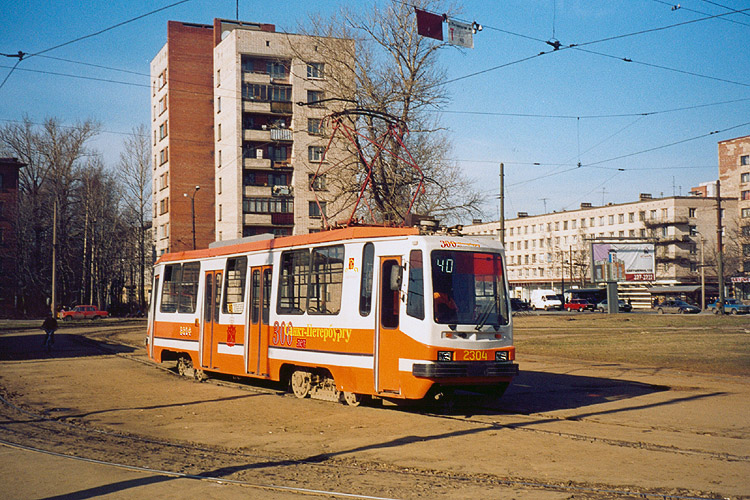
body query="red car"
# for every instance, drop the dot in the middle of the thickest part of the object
(82, 312)
(578, 305)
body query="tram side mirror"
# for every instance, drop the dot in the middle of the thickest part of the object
(397, 274)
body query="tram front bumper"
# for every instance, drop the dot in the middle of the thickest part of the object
(450, 369)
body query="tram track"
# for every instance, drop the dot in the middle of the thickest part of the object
(64, 437)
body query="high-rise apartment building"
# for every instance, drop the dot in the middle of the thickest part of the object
(234, 152)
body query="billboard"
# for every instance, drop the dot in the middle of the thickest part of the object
(622, 261)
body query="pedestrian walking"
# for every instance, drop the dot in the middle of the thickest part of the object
(49, 326)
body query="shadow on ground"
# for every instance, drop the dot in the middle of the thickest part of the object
(26, 346)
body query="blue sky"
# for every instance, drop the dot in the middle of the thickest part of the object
(639, 126)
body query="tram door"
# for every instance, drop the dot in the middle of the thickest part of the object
(212, 300)
(386, 373)
(259, 330)
(152, 316)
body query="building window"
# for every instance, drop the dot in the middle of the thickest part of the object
(315, 153)
(317, 183)
(601, 220)
(218, 132)
(164, 205)
(163, 78)
(219, 214)
(315, 70)
(746, 250)
(219, 186)
(164, 156)
(162, 104)
(163, 130)
(611, 219)
(276, 205)
(642, 215)
(745, 177)
(314, 97)
(415, 295)
(653, 214)
(621, 218)
(218, 157)
(746, 195)
(565, 225)
(745, 213)
(745, 160)
(631, 217)
(316, 211)
(745, 230)
(164, 180)
(218, 78)
(693, 230)
(573, 224)
(218, 104)
(691, 212)
(315, 126)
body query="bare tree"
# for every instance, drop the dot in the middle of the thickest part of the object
(135, 176)
(397, 73)
(52, 153)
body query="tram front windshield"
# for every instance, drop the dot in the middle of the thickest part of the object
(468, 288)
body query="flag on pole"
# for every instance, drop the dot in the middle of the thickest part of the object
(461, 34)
(429, 24)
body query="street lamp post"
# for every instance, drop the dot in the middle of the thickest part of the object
(192, 209)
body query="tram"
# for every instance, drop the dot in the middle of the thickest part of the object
(344, 314)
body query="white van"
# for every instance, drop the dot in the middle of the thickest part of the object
(545, 299)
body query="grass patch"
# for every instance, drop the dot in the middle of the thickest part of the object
(701, 343)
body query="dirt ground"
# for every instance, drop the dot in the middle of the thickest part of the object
(564, 429)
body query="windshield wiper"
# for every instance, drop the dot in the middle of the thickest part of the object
(485, 314)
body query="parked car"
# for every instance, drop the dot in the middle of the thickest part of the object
(623, 306)
(731, 306)
(675, 306)
(579, 305)
(518, 304)
(82, 312)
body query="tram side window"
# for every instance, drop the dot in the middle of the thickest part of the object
(189, 288)
(415, 295)
(180, 288)
(293, 279)
(365, 286)
(234, 285)
(326, 278)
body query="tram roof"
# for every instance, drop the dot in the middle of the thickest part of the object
(348, 233)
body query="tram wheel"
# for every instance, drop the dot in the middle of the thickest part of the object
(301, 383)
(184, 365)
(352, 399)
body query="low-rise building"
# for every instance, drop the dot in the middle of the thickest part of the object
(554, 250)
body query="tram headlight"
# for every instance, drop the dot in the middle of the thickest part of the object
(501, 355)
(445, 356)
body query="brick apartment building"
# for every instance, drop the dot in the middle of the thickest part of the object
(545, 250)
(229, 137)
(734, 174)
(9, 173)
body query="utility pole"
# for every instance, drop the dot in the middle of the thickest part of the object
(53, 304)
(544, 200)
(703, 279)
(720, 248)
(502, 204)
(192, 209)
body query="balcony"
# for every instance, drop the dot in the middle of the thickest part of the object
(672, 239)
(281, 164)
(668, 221)
(256, 163)
(257, 191)
(256, 106)
(282, 219)
(257, 219)
(281, 107)
(281, 134)
(256, 135)
(260, 78)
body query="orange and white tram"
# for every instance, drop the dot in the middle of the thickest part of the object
(360, 311)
